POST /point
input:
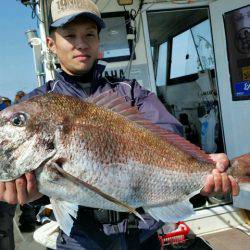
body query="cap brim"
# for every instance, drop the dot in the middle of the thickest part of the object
(67, 19)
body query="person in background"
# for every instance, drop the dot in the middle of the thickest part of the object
(19, 96)
(74, 38)
(2, 104)
(7, 101)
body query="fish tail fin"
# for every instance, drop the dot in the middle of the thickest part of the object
(241, 168)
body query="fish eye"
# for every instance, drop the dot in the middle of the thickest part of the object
(19, 120)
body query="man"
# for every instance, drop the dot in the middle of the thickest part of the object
(74, 38)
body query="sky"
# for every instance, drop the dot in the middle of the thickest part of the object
(16, 58)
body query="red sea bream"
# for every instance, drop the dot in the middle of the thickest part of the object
(102, 153)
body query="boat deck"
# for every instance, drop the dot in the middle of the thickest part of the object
(231, 239)
(222, 228)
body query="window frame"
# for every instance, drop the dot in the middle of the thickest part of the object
(125, 15)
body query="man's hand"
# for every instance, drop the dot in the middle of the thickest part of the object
(22, 190)
(219, 182)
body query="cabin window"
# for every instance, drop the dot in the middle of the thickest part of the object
(203, 42)
(184, 56)
(161, 76)
(114, 44)
(192, 51)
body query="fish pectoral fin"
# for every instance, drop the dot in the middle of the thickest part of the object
(98, 191)
(171, 213)
(63, 211)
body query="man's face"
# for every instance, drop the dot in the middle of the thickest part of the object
(76, 46)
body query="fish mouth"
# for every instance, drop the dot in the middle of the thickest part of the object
(8, 171)
(6, 162)
(5, 171)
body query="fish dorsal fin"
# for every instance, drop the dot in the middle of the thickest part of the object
(118, 104)
(110, 100)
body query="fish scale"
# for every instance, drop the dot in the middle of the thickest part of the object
(95, 149)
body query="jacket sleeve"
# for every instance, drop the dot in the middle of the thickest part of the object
(154, 110)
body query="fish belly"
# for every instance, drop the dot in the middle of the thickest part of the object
(133, 184)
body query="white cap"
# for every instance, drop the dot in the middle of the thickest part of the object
(65, 11)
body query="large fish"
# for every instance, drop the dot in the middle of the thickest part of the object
(102, 153)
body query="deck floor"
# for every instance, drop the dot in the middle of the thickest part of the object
(227, 240)
(232, 239)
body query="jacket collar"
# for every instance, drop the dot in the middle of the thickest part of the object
(93, 76)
